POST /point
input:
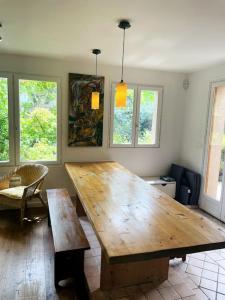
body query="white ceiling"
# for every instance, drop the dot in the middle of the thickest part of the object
(178, 35)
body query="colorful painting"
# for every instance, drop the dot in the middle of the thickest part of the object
(85, 124)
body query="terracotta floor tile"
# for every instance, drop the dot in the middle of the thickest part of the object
(184, 290)
(176, 279)
(195, 279)
(166, 283)
(169, 293)
(199, 295)
(191, 283)
(153, 295)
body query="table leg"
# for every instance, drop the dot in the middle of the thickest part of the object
(153, 271)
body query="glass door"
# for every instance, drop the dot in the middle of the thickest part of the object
(213, 182)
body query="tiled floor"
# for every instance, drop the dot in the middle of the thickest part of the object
(201, 277)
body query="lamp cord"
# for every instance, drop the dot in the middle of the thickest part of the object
(123, 54)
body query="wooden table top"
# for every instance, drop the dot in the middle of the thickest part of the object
(135, 221)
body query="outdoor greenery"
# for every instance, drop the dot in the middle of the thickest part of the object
(38, 120)
(123, 119)
(4, 131)
(122, 130)
(147, 105)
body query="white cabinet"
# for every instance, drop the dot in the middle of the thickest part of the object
(167, 187)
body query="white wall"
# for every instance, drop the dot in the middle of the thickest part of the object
(142, 161)
(196, 116)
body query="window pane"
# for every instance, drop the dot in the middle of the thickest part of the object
(4, 124)
(147, 117)
(123, 121)
(38, 120)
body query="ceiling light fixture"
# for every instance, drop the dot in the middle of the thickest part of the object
(121, 87)
(95, 95)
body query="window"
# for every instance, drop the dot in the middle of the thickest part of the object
(138, 124)
(5, 115)
(38, 120)
(35, 136)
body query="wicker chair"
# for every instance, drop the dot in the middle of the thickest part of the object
(32, 177)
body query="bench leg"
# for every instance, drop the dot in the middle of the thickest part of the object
(69, 265)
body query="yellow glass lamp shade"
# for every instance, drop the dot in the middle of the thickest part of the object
(121, 94)
(95, 100)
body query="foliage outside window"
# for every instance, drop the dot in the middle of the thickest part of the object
(137, 124)
(38, 120)
(4, 121)
(36, 139)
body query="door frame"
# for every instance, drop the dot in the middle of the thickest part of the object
(207, 203)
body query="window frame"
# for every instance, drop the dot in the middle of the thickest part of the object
(136, 114)
(17, 77)
(11, 122)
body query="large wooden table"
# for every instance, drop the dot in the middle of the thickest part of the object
(139, 227)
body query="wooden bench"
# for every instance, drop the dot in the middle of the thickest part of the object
(69, 238)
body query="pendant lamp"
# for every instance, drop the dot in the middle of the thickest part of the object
(121, 87)
(95, 95)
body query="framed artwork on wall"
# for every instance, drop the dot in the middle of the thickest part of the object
(85, 123)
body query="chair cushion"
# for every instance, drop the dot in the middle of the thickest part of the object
(15, 192)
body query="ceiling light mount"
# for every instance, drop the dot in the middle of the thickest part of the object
(124, 24)
(96, 51)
